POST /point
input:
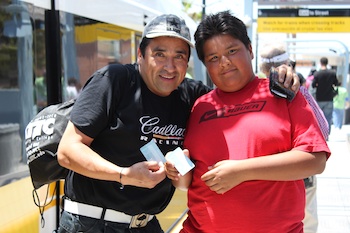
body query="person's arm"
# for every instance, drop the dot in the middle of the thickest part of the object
(74, 153)
(179, 181)
(335, 80)
(286, 166)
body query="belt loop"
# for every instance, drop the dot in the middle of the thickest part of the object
(103, 214)
(64, 198)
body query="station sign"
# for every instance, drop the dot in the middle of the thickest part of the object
(302, 2)
(303, 20)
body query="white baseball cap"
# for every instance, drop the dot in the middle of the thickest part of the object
(168, 25)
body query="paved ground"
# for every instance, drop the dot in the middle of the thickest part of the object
(333, 185)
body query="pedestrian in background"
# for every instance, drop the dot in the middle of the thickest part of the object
(340, 102)
(72, 88)
(308, 83)
(324, 81)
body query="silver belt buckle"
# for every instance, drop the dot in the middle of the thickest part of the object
(139, 220)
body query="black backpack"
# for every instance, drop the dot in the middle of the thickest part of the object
(42, 136)
(44, 132)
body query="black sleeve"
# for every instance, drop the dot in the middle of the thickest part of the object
(194, 89)
(97, 101)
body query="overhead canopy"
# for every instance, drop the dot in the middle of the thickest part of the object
(130, 14)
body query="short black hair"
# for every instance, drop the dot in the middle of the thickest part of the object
(324, 61)
(222, 23)
(143, 45)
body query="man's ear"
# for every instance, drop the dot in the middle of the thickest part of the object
(251, 51)
(139, 55)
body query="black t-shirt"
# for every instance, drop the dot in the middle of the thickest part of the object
(324, 80)
(121, 114)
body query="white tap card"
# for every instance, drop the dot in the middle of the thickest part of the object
(182, 163)
(152, 152)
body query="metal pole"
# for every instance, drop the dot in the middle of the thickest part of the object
(203, 9)
(209, 82)
(53, 55)
(53, 71)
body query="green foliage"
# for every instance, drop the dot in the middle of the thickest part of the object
(187, 5)
(196, 16)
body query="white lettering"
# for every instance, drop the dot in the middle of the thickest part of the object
(169, 142)
(48, 128)
(36, 128)
(150, 126)
(303, 12)
(144, 138)
(322, 13)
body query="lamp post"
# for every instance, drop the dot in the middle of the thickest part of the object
(203, 9)
(209, 82)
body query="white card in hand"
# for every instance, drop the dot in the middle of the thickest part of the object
(152, 152)
(182, 163)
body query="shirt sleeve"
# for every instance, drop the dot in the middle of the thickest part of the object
(321, 119)
(307, 135)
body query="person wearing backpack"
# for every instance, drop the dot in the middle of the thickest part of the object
(110, 185)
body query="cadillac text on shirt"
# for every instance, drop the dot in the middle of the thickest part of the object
(163, 134)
